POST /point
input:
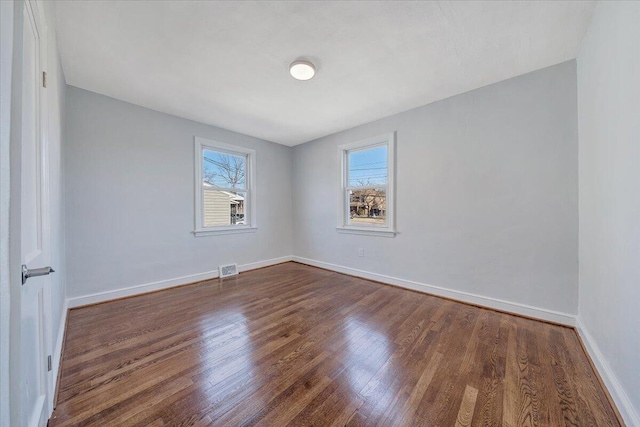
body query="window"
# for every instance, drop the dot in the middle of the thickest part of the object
(225, 188)
(366, 204)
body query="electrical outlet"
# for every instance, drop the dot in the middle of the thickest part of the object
(360, 252)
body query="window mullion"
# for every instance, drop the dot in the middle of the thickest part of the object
(372, 187)
(228, 190)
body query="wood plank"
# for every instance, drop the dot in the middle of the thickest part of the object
(297, 345)
(468, 405)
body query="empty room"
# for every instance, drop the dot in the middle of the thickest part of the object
(319, 213)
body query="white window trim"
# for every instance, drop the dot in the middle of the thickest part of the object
(250, 216)
(389, 230)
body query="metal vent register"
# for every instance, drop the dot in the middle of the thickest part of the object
(228, 270)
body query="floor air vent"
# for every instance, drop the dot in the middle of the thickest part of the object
(228, 270)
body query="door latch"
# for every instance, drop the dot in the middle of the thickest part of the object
(26, 273)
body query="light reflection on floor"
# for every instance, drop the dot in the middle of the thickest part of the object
(228, 364)
(366, 347)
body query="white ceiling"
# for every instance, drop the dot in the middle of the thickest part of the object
(226, 63)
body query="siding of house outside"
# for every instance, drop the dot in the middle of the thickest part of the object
(217, 209)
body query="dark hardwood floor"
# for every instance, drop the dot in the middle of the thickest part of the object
(297, 345)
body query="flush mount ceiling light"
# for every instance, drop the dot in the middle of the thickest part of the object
(302, 70)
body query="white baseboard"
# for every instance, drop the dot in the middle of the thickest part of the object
(262, 264)
(498, 304)
(164, 284)
(619, 396)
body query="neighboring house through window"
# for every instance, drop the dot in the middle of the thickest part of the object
(366, 204)
(225, 188)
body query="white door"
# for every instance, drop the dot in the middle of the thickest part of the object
(35, 348)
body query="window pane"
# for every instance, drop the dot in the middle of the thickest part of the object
(368, 167)
(368, 207)
(223, 207)
(224, 170)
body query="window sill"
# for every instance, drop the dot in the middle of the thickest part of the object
(367, 231)
(223, 231)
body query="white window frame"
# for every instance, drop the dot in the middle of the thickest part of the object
(388, 230)
(250, 225)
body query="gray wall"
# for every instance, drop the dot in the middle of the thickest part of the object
(130, 197)
(487, 197)
(609, 126)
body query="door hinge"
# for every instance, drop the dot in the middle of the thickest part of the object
(49, 367)
(44, 79)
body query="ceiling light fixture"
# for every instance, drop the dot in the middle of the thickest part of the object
(302, 70)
